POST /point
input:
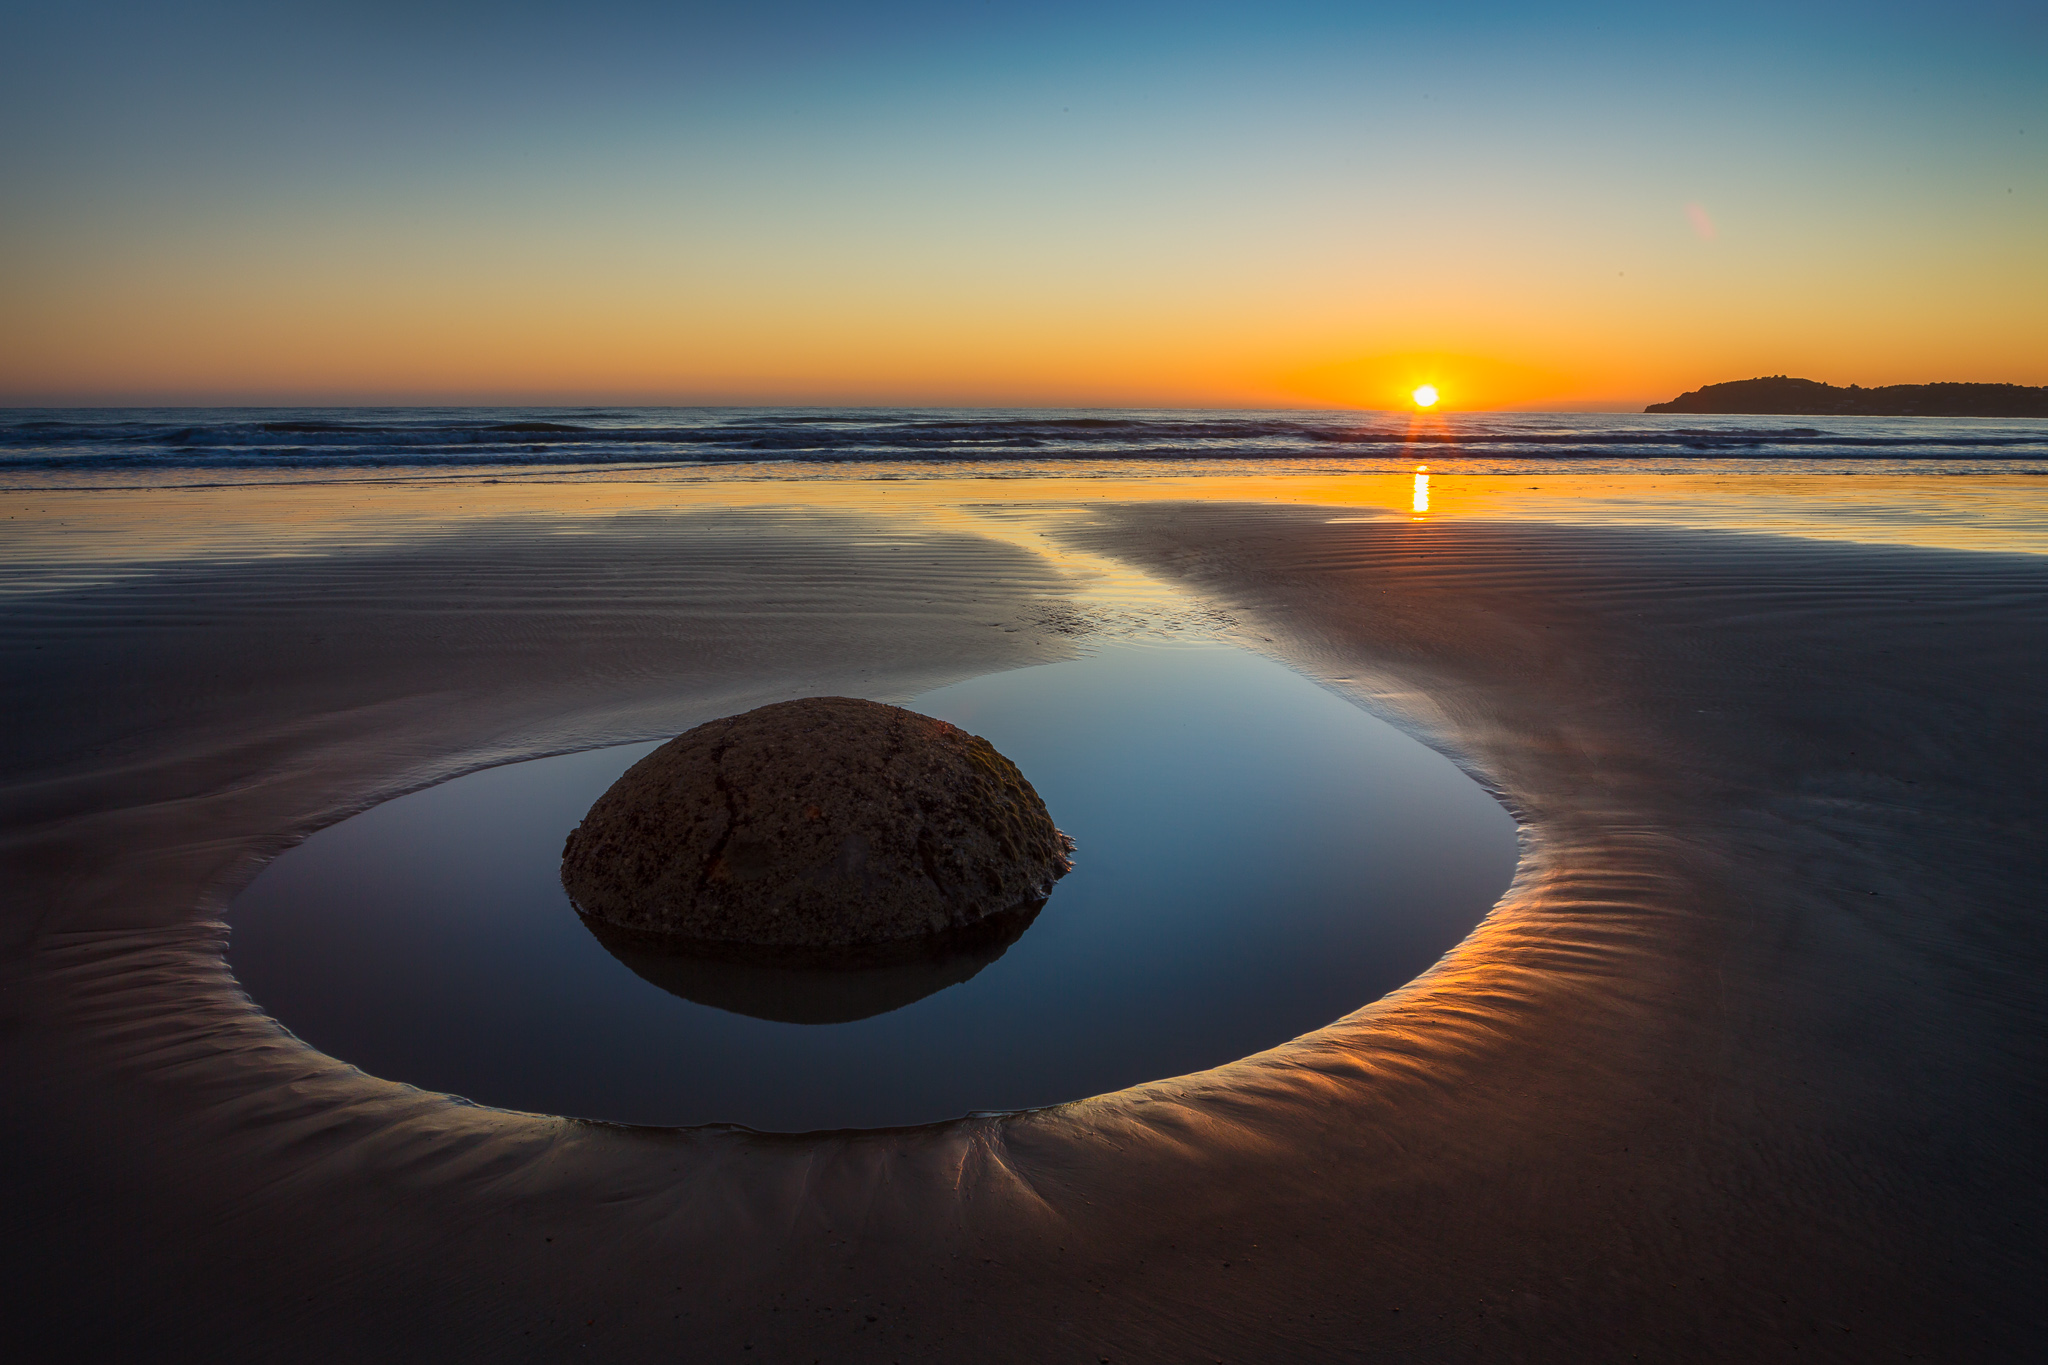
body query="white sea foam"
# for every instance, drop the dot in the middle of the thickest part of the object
(44, 446)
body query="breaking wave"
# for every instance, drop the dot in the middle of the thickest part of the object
(144, 440)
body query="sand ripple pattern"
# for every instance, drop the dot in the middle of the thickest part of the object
(1747, 1065)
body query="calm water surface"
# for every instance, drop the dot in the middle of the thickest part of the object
(1257, 858)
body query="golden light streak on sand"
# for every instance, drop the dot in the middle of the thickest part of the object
(56, 536)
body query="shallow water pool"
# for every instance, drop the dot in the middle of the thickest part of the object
(1257, 858)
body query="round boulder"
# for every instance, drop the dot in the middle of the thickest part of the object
(823, 830)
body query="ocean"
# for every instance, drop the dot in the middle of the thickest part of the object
(54, 448)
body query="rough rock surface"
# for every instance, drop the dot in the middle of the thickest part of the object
(813, 827)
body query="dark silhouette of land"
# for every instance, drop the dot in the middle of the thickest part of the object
(1780, 395)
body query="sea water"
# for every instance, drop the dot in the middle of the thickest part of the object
(60, 447)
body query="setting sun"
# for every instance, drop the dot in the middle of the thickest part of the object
(1425, 397)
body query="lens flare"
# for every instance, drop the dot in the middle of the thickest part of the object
(1425, 396)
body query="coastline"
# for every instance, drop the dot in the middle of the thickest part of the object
(1692, 1089)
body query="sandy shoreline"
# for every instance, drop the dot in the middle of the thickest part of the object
(1748, 1065)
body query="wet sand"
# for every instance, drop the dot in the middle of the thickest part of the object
(1747, 1065)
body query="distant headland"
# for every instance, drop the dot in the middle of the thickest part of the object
(1779, 395)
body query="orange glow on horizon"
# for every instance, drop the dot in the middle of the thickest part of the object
(119, 339)
(1420, 382)
(902, 215)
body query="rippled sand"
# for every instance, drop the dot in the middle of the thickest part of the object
(1747, 1065)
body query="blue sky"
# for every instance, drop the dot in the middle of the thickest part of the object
(1065, 202)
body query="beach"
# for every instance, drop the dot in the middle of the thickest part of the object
(1747, 1063)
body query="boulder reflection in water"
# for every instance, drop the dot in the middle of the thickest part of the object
(799, 991)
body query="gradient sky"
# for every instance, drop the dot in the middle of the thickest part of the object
(1091, 204)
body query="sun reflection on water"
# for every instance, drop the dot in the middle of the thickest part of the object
(62, 539)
